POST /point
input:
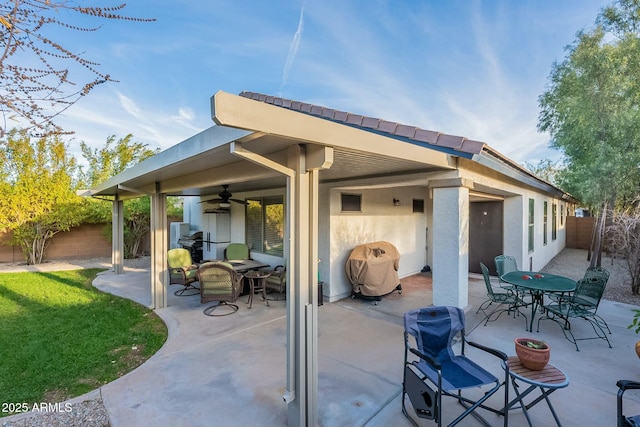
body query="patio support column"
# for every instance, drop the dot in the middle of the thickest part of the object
(451, 241)
(117, 235)
(159, 248)
(304, 163)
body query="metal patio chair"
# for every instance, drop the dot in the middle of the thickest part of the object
(581, 304)
(512, 300)
(505, 264)
(436, 370)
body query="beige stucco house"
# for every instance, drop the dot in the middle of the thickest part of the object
(343, 179)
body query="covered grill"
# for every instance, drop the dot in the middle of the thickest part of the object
(193, 244)
(372, 269)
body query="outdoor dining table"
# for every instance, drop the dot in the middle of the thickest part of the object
(538, 284)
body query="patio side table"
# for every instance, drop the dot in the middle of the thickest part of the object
(257, 282)
(547, 381)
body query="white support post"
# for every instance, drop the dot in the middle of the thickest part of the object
(117, 235)
(159, 248)
(302, 172)
(450, 243)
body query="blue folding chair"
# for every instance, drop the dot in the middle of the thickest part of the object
(438, 371)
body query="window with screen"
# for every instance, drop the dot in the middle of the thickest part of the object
(531, 224)
(418, 205)
(545, 222)
(554, 221)
(265, 225)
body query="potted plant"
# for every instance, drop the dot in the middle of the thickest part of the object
(636, 325)
(533, 354)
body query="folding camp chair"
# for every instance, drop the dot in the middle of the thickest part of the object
(623, 420)
(438, 371)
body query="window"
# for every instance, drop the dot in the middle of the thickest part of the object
(418, 205)
(531, 224)
(545, 221)
(265, 225)
(351, 202)
(554, 222)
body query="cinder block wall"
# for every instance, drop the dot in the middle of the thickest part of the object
(82, 242)
(85, 241)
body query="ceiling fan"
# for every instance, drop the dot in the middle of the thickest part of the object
(224, 197)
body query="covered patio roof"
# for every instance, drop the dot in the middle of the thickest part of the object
(363, 147)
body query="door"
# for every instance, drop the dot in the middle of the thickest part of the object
(216, 233)
(485, 234)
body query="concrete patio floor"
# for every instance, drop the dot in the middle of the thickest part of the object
(230, 371)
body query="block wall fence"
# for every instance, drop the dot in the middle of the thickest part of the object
(82, 242)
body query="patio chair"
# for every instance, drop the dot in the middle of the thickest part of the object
(590, 272)
(182, 271)
(221, 283)
(237, 251)
(597, 272)
(581, 304)
(439, 372)
(277, 280)
(623, 420)
(505, 264)
(512, 300)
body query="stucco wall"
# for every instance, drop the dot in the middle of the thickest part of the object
(379, 220)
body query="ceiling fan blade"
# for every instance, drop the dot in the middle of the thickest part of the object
(211, 201)
(242, 202)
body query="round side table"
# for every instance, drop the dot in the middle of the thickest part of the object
(257, 282)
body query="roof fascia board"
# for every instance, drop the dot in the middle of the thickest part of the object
(506, 167)
(211, 138)
(244, 113)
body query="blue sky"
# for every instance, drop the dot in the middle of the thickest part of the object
(463, 67)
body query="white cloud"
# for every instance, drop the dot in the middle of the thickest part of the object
(293, 48)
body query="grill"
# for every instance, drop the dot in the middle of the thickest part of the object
(193, 244)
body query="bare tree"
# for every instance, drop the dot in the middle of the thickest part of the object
(623, 238)
(38, 73)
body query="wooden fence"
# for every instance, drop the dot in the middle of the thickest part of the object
(579, 232)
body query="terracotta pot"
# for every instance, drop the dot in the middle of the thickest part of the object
(638, 348)
(532, 358)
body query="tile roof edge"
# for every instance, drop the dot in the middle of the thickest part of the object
(437, 140)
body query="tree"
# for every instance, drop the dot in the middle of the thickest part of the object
(37, 192)
(623, 239)
(546, 169)
(38, 81)
(592, 109)
(110, 160)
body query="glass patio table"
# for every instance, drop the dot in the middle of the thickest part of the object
(538, 284)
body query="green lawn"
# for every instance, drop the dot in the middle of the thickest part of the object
(60, 337)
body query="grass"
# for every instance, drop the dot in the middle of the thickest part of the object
(60, 337)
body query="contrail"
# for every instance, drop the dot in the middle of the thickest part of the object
(293, 48)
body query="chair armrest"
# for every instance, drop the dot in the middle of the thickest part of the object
(489, 350)
(430, 360)
(628, 385)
